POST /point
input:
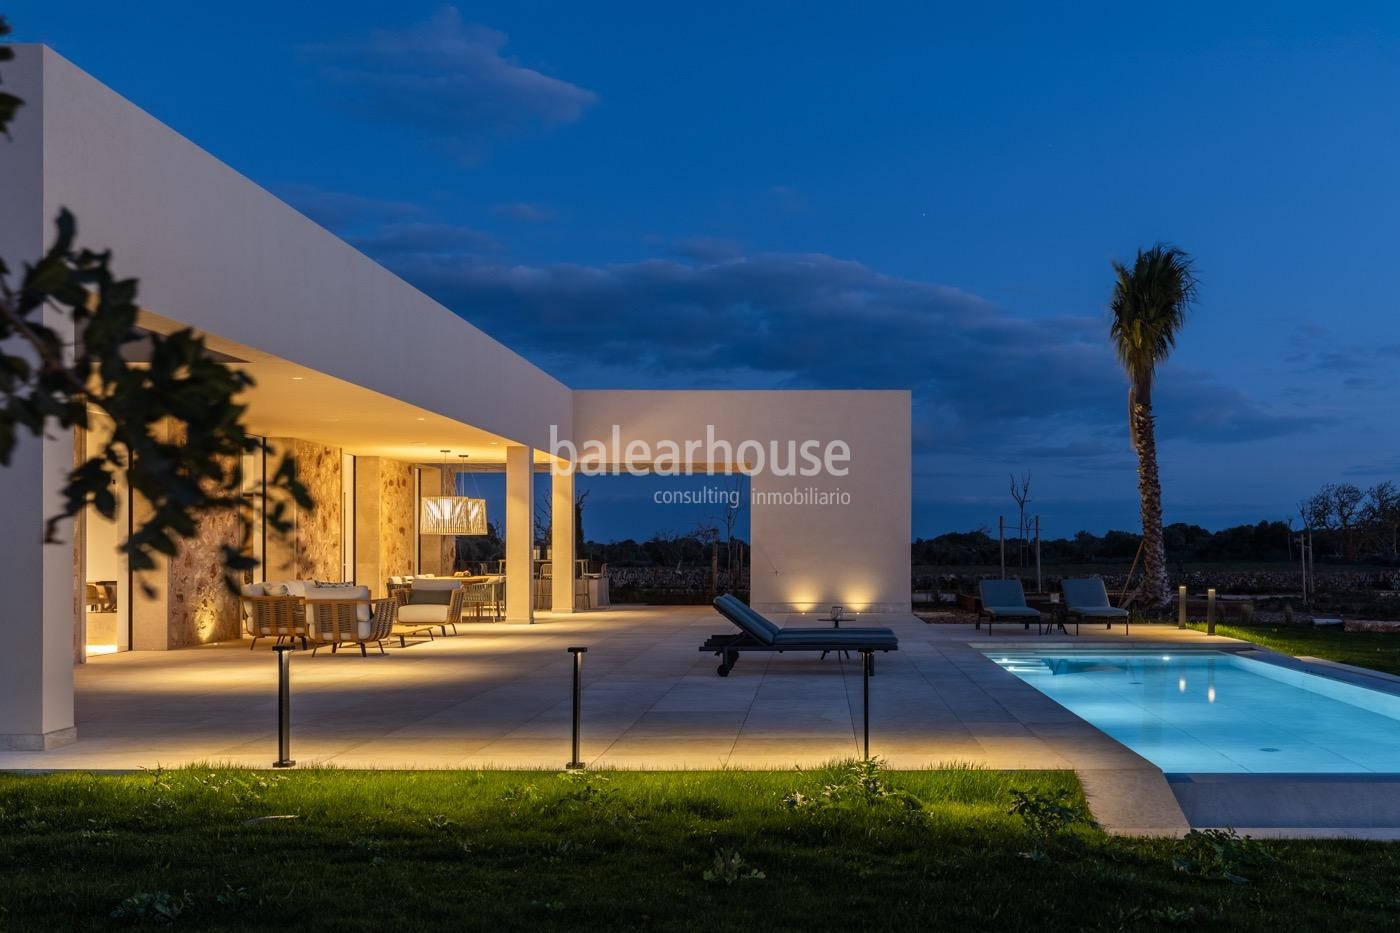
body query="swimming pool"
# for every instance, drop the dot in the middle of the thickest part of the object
(1212, 712)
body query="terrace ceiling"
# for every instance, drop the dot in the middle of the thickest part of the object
(290, 400)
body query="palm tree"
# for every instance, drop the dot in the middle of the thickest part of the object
(1149, 306)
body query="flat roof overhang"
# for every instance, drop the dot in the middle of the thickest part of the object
(292, 400)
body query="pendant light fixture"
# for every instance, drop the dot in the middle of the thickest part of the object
(452, 514)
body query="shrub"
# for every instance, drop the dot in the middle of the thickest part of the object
(1049, 817)
(729, 867)
(1218, 854)
(155, 906)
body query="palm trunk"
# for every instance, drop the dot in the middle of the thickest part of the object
(1155, 589)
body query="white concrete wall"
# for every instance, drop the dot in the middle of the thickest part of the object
(38, 580)
(804, 556)
(215, 251)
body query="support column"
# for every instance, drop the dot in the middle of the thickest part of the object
(42, 591)
(520, 534)
(561, 544)
(42, 598)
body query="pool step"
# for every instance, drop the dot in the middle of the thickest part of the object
(1282, 801)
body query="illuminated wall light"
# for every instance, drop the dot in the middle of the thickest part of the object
(1181, 685)
(1210, 695)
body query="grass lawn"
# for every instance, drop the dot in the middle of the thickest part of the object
(631, 850)
(1379, 651)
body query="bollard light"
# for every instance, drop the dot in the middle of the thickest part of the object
(575, 762)
(284, 702)
(1181, 607)
(1210, 611)
(867, 663)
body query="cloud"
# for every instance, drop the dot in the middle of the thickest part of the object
(1192, 405)
(1314, 348)
(524, 212)
(984, 381)
(449, 80)
(339, 211)
(706, 248)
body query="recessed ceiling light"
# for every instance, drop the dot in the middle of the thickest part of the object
(422, 419)
(298, 378)
(495, 443)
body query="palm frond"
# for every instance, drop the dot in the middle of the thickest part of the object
(1148, 307)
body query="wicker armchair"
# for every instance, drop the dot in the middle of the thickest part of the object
(416, 616)
(279, 617)
(483, 599)
(337, 618)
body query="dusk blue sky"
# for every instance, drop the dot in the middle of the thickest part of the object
(846, 195)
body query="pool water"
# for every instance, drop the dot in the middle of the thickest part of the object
(1212, 712)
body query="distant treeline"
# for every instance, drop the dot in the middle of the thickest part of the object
(666, 550)
(1266, 541)
(1345, 523)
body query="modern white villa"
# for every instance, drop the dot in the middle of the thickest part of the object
(365, 379)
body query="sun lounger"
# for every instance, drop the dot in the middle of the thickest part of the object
(1005, 601)
(1086, 600)
(759, 634)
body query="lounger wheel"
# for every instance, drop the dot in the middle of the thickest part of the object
(722, 670)
(727, 664)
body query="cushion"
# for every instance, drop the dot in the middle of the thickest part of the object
(837, 636)
(750, 621)
(1101, 612)
(432, 592)
(1001, 593)
(362, 612)
(249, 589)
(297, 587)
(274, 589)
(1011, 612)
(422, 613)
(1085, 593)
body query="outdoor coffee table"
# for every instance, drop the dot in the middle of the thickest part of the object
(835, 620)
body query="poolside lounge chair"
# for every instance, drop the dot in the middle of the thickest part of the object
(1005, 601)
(1086, 600)
(759, 634)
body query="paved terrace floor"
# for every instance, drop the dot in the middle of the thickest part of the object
(498, 696)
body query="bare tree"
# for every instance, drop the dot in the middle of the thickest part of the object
(1381, 515)
(1021, 494)
(580, 541)
(1337, 509)
(731, 519)
(542, 518)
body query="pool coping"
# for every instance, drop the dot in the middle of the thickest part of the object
(1346, 805)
